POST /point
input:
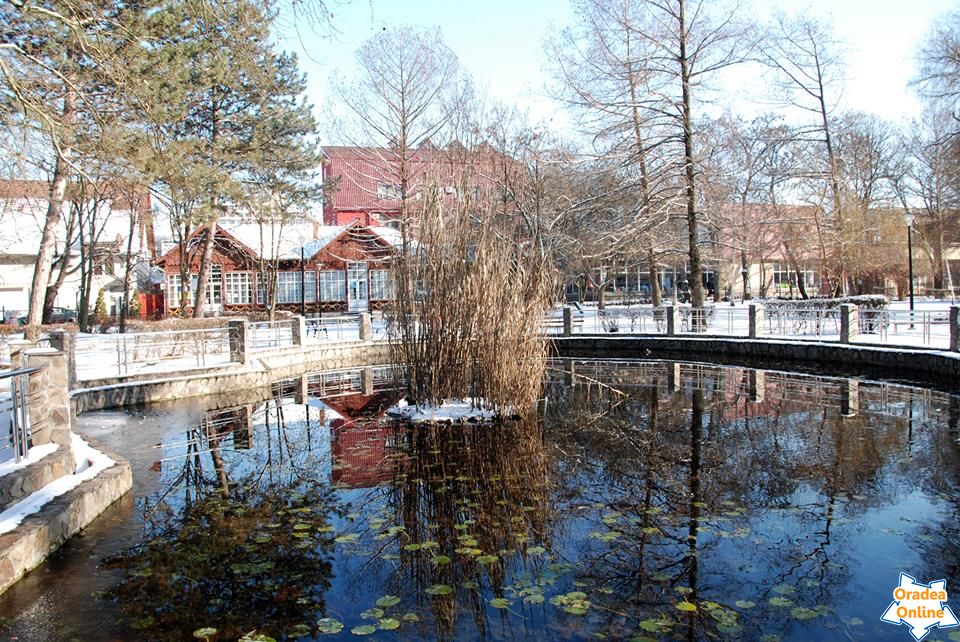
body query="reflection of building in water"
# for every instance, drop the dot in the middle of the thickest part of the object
(362, 442)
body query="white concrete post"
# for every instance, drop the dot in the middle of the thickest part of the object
(366, 327)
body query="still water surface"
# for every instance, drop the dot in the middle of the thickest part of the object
(649, 501)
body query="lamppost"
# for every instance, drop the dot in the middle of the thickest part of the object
(908, 217)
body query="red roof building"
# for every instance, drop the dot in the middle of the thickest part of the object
(365, 182)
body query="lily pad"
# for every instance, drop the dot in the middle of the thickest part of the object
(439, 589)
(780, 601)
(745, 604)
(802, 613)
(253, 636)
(205, 632)
(389, 624)
(387, 601)
(487, 559)
(440, 560)
(298, 631)
(500, 603)
(410, 617)
(329, 625)
(689, 607)
(347, 538)
(365, 629)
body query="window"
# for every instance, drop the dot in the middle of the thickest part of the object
(381, 285)
(288, 287)
(174, 283)
(388, 191)
(785, 277)
(333, 285)
(238, 287)
(310, 287)
(214, 292)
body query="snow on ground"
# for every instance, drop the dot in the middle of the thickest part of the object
(89, 463)
(449, 411)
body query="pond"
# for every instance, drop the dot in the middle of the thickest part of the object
(650, 500)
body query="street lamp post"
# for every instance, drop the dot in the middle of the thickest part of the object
(909, 219)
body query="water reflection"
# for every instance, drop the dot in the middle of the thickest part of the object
(649, 500)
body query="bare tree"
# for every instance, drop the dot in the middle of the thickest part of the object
(808, 64)
(929, 188)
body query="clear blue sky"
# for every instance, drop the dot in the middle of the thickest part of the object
(500, 43)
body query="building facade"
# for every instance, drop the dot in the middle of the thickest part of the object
(341, 269)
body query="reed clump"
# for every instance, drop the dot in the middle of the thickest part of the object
(472, 290)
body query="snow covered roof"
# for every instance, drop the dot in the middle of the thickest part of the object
(275, 241)
(325, 234)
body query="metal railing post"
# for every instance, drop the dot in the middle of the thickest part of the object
(567, 321)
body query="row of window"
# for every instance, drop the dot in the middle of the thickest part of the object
(236, 288)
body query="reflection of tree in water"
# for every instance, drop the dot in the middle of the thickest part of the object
(714, 515)
(938, 542)
(238, 547)
(466, 506)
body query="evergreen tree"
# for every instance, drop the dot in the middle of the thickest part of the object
(225, 115)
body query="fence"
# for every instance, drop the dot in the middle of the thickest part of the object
(847, 323)
(267, 335)
(15, 413)
(118, 355)
(339, 328)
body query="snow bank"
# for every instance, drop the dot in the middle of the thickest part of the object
(89, 463)
(34, 455)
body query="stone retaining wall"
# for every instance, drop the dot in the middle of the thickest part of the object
(18, 484)
(26, 546)
(260, 371)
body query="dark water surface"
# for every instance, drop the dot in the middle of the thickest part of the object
(650, 501)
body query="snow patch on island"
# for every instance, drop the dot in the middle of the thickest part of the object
(449, 411)
(89, 463)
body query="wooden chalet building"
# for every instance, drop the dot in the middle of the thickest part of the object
(340, 269)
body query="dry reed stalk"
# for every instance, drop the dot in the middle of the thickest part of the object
(471, 295)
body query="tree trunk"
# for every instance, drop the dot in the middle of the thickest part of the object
(656, 295)
(745, 275)
(696, 269)
(48, 239)
(203, 273)
(128, 266)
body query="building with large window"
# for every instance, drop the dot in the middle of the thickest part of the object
(342, 268)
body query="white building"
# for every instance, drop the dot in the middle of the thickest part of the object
(23, 208)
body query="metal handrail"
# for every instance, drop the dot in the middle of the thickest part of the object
(20, 409)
